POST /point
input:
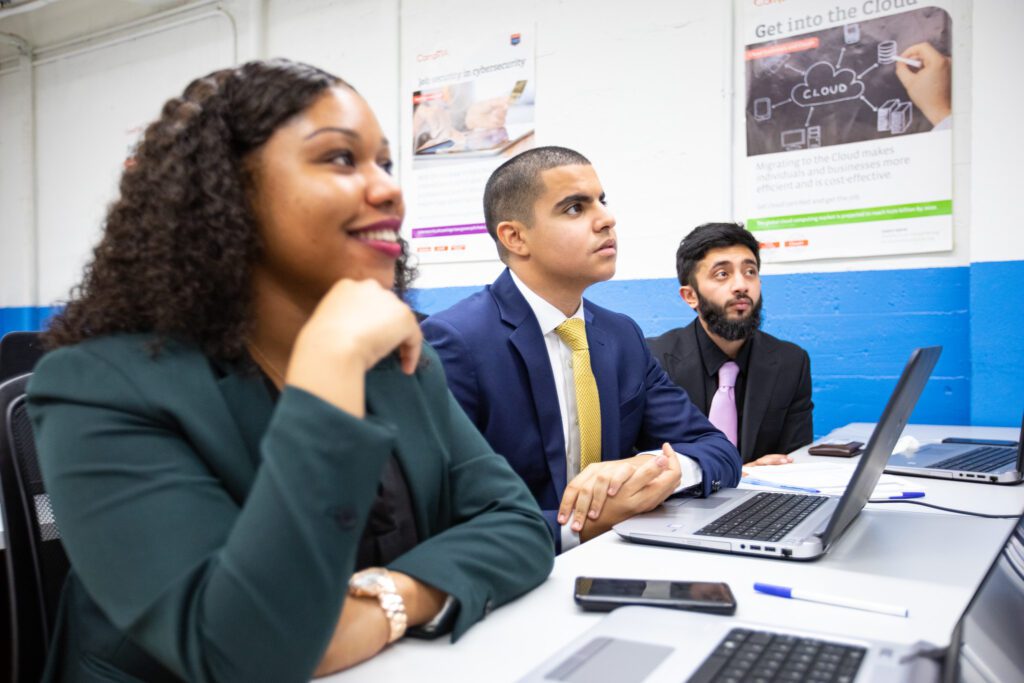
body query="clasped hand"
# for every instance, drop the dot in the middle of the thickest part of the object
(606, 493)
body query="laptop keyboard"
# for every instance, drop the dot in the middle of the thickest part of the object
(764, 516)
(755, 656)
(984, 459)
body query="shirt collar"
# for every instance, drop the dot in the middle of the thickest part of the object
(713, 357)
(548, 317)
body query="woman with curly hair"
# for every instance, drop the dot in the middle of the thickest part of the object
(256, 466)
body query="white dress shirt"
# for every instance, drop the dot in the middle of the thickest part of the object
(560, 357)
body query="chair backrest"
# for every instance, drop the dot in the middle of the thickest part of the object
(35, 559)
(19, 353)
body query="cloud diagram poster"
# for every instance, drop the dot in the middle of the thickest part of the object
(848, 122)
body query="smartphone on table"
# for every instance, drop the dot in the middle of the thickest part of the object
(603, 595)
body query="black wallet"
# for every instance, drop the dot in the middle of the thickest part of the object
(840, 450)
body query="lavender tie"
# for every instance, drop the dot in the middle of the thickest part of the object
(723, 405)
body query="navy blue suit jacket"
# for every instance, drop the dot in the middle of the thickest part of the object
(498, 369)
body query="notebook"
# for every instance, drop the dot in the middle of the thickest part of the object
(653, 645)
(791, 526)
(979, 463)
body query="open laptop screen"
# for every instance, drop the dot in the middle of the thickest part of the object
(986, 643)
(1020, 446)
(883, 439)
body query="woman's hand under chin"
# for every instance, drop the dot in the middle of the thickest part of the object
(355, 325)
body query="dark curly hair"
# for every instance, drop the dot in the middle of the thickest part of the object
(180, 243)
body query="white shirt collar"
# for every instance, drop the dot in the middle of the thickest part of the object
(548, 317)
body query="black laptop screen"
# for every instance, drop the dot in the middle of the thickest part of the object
(986, 644)
(883, 439)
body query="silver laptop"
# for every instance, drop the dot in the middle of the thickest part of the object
(791, 526)
(654, 645)
(980, 463)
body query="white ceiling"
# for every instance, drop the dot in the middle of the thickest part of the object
(43, 24)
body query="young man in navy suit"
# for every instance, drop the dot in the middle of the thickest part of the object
(533, 397)
(719, 276)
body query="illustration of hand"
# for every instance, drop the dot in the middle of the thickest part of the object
(487, 114)
(431, 123)
(929, 86)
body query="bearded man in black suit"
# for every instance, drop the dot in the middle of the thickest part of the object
(754, 387)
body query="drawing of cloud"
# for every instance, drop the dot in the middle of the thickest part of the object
(824, 85)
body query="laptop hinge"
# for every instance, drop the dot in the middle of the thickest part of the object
(924, 650)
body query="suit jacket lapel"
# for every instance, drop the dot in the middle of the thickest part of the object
(249, 407)
(384, 381)
(602, 358)
(687, 363)
(682, 363)
(761, 372)
(529, 343)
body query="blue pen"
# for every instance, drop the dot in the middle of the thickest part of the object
(903, 496)
(837, 600)
(763, 482)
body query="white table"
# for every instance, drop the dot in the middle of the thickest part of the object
(928, 561)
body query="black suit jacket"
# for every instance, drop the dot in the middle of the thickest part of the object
(777, 407)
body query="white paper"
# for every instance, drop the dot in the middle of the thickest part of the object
(829, 478)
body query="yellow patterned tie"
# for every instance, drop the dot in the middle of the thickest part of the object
(588, 407)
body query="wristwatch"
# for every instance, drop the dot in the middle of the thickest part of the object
(376, 582)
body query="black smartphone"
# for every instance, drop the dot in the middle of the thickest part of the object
(603, 595)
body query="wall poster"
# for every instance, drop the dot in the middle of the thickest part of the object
(848, 122)
(471, 100)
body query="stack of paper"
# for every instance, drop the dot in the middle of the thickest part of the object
(830, 478)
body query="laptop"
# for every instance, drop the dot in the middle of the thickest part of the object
(980, 463)
(789, 526)
(654, 645)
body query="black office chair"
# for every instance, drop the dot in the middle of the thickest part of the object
(19, 353)
(35, 560)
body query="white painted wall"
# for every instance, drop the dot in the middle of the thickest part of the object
(355, 39)
(90, 110)
(17, 252)
(643, 88)
(997, 136)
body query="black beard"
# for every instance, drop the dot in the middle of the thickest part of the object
(730, 330)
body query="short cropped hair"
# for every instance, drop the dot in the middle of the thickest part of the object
(706, 237)
(514, 186)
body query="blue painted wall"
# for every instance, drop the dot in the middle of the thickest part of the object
(23, 318)
(858, 327)
(997, 343)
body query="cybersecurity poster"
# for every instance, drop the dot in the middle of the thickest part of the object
(469, 107)
(848, 128)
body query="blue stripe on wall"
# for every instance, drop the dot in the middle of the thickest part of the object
(13, 319)
(997, 343)
(859, 329)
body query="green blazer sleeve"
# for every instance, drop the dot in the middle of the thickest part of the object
(216, 589)
(496, 545)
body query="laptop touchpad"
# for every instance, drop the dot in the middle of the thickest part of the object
(698, 503)
(610, 660)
